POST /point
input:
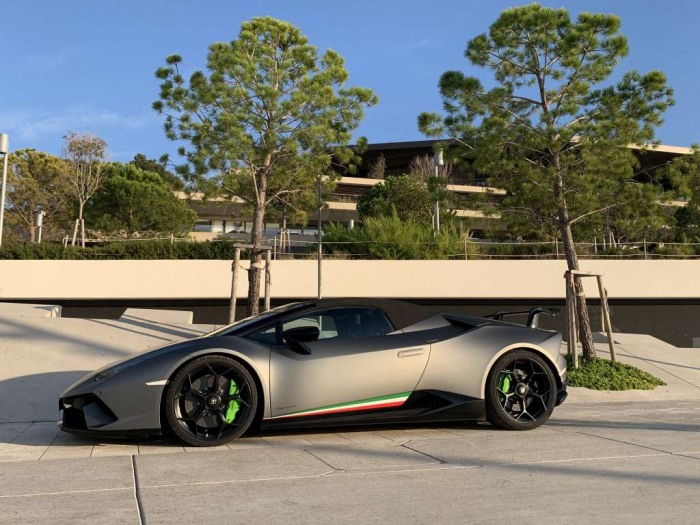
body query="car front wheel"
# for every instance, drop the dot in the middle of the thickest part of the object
(210, 401)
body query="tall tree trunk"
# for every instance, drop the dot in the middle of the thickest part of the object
(256, 240)
(78, 223)
(584, 322)
(255, 261)
(75, 232)
(82, 225)
(31, 230)
(283, 233)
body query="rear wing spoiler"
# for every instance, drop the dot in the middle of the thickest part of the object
(533, 314)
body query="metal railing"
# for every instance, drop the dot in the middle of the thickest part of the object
(484, 249)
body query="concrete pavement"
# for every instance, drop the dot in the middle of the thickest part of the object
(608, 463)
(608, 457)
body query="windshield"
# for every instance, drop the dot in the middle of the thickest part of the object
(248, 321)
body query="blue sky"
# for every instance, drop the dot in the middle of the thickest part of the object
(80, 65)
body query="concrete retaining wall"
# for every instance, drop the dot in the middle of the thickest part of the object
(48, 280)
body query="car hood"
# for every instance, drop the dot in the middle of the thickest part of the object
(144, 355)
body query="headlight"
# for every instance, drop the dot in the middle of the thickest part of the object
(110, 372)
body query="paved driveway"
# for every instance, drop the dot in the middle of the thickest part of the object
(633, 460)
(607, 463)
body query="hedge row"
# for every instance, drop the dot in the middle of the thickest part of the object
(122, 250)
(367, 243)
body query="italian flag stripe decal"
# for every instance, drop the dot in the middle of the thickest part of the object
(393, 400)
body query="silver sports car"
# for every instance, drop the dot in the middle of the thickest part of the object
(323, 363)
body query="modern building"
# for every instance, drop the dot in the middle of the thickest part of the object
(217, 216)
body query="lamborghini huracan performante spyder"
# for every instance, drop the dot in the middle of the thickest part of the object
(324, 363)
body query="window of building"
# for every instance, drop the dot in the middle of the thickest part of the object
(202, 225)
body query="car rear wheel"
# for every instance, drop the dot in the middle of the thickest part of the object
(210, 401)
(520, 391)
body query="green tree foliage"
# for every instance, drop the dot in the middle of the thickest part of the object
(160, 167)
(37, 182)
(684, 175)
(551, 132)
(411, 196)
(403, 195)
(269, 115)
(132, 200)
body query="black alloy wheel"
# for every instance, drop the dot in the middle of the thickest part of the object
(521, 391)
(210, 401)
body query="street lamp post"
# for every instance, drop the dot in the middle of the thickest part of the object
(438, 161)
(5, 150)
(319, 203)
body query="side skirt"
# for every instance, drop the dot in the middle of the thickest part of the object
(426, 406)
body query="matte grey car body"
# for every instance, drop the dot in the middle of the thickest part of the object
(326, 362)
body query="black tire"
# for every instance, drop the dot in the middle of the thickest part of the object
(210, 401)
(521, 391)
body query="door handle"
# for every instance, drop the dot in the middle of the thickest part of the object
(411, 353)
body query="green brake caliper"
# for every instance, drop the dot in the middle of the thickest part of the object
(504, 384)
(233, 406)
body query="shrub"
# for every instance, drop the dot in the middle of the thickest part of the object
(676, 250)
(389, 237)
(40, 251)
(601, 374)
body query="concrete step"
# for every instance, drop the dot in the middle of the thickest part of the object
(29, 310)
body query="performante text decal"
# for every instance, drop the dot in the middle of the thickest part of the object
(393, 400)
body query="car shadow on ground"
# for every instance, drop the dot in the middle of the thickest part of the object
(34, 398)
(44, 433)
(405, 427)
(666, 426)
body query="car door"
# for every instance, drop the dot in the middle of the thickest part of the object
(355, 364)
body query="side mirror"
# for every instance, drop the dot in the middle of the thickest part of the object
(299, 336)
